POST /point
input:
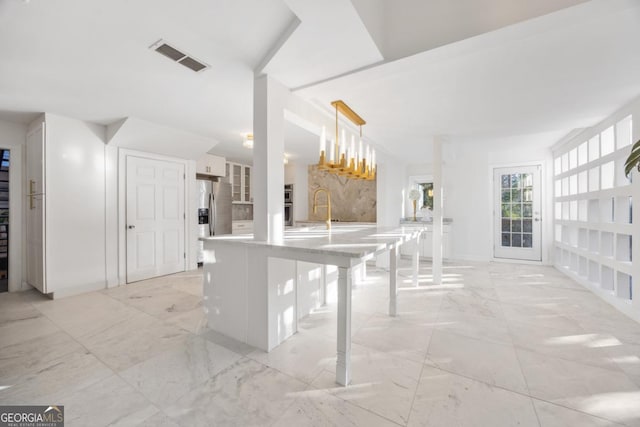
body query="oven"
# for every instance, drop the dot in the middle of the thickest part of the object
(288, 214)
(288, 193)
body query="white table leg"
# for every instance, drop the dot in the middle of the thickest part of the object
(393, 281)
(325, 274)
(416, 261)
(343, 364)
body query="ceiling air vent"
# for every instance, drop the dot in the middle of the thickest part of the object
(178, 56)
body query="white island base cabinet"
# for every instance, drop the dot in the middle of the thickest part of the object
(294, 290)
(256, 291)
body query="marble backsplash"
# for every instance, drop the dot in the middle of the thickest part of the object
(242, 212)
(351, 200)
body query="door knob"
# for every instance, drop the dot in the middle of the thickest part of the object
(131, 227)
(537, 219)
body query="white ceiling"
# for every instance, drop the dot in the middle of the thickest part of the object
(469, 75)
(550, 74)
(402, 28)
(91, 59)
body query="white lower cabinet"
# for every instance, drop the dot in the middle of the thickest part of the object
(242, 227)
(426, 242)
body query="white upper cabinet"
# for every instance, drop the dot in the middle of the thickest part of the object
(211, 165)
(240, 178)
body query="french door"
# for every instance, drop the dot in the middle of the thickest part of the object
(155, 218)
(517, 213)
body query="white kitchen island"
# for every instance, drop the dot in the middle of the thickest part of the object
(250, 286)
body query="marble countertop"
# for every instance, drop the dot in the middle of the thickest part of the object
(353, 240)
(420, 221)
(333, 223)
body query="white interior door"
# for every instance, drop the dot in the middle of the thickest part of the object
(517, 201)
(155, 218)
(35, 216)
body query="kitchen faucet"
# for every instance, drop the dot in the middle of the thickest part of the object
(328, 205)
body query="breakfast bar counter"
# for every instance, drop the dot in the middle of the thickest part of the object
(250, 286)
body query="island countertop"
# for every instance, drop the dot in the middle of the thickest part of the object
(421, 221)
(353, 241)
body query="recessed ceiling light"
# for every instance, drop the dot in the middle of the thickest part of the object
(248, 141)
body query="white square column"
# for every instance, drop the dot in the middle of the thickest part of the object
(436, 265)
(635, 241)
(269, 97)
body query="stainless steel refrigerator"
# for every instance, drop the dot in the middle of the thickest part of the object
(214, 210)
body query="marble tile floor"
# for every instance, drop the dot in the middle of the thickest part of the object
(493, 345)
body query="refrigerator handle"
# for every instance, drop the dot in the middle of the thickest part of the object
(212, 218)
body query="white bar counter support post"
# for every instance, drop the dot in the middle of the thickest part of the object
(269, 97)
(393, 281)
(415, 262)
(343, 363)
(436, 266)
(325, 279)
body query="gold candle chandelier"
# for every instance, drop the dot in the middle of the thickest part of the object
(346, 160)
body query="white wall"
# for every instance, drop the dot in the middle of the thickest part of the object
(390, 186)
(13, 137)
(75, 205)
(468, 190)
(84, 218)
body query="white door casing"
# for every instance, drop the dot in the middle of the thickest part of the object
(517, 213)
(36, 209)
(155, 218)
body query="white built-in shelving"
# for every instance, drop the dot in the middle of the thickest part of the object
(593, 210)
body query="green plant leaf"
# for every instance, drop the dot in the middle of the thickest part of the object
(633, 159)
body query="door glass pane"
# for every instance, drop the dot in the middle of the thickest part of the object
(527, 225)
(527, 210)
(506, 239)
(247, 184)
(506, 225)
(237, 188)
(527, 241)
(506, 210)
(528, 195)
(516, 225)
(516, 195)
(516, 211)
(506, 181)
(515, 180)
(516, 240)
(506, 195)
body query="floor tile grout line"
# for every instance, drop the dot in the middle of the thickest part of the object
(576, 410)
(516, 347)
(415, 392)
(110, 326)
(348, 402)
(160, 409)
(616, 370)
(113, 371)
(164, 321)
(524, 377)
